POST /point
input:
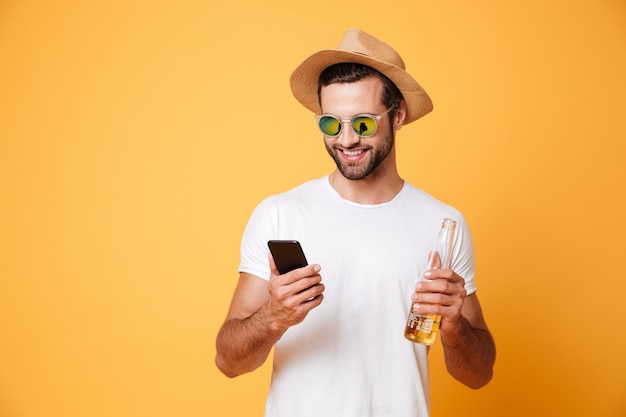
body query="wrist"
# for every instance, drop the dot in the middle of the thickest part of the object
(454, 332)
(271, 321)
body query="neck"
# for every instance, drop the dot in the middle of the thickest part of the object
(377, 188)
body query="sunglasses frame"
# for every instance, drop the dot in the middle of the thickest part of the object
(375, 117)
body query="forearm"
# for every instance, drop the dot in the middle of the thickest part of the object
(469, 352)
(244, 344)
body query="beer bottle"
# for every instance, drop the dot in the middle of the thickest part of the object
(423, 328)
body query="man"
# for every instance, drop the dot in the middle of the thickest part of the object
(339, 348)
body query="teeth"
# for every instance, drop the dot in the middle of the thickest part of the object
(353, 153)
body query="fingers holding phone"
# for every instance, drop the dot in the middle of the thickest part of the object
(297, 282)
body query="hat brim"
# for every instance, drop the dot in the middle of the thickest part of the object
(305, 77)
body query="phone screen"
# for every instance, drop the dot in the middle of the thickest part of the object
(287, 254)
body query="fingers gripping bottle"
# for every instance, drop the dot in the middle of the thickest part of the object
(423, 328)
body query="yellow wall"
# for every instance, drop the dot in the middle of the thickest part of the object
(137, 136)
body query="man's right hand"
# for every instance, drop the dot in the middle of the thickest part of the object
(294, 294)
(261, 311)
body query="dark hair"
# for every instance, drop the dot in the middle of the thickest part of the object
(349, 72)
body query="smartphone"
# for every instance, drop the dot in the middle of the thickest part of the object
(287, 254)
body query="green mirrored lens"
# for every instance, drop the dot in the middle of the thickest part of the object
(330, 126)
(364, 126)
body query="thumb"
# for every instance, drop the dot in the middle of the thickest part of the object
(273, 268)
(434, 260)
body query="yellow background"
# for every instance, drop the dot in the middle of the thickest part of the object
(137, 136)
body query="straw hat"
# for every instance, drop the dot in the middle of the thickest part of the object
(360, 47)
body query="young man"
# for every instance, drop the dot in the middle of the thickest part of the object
(339, 348)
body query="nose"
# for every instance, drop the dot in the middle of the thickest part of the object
(347, 136)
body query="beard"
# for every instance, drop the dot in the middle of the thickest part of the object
(361, 169)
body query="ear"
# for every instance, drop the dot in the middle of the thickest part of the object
(400, 116)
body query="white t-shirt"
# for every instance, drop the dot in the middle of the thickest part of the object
(349, 356)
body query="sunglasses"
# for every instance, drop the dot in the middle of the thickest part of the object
(364, 125)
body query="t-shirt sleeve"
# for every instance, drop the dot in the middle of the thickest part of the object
(254, 250)
(463, 261)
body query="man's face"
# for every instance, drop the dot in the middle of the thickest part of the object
(357, 157)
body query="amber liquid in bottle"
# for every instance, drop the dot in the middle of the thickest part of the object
(423, 328)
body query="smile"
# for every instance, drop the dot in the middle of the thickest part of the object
(352, 153)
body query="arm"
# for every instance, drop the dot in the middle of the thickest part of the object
(468, 346)
(260, 312)
(469, 349)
